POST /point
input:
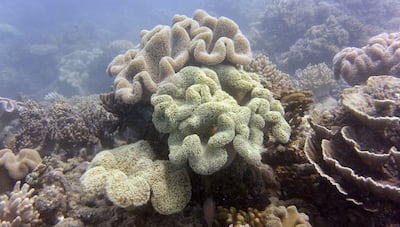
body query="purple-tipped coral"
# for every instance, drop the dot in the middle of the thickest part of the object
(381, 56)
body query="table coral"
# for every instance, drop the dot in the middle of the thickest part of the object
(356, 145)
(165, 50)
(381, 56)
(213, 113)
(129, 176)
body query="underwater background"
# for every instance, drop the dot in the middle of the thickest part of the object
(200, 113)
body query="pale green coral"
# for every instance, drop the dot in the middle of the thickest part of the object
(213, 113)
(129, 176)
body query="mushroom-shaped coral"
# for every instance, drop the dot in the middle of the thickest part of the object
(165, 50)
(356, 148)
(19, 165)
(381, 56)
(17, 209)
(128, 176)
(213, 113)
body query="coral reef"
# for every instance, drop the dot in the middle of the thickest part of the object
(128, 175)
(20, 164)
(297, 33)
(317, 78)
(270, 76)
(381, 56)
(17, 209)
(63, 125)
(270, 216)
(16, 166)
(213, 113)
(165, 50)
(74, 68)
(355, 146)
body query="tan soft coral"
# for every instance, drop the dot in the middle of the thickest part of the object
(356, 145)
(381, 56)
(165, 50)
(17, 209)
(20, 164)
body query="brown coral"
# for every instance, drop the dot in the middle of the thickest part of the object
(66, 124)
(356, 148)
(271, 77)
(381, 56)
(17, 209)
(165, 50)
(272, 216)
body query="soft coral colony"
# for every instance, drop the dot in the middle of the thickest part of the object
(211, 109)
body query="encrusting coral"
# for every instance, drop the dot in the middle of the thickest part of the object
(165, 50)
(129, 176)
(356, 145)
(381, 56)
(17, 209)
(213, 113)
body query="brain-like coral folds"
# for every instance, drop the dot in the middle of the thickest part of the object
(165, 50)
(381, 56)
(213, 113)
(128, 176)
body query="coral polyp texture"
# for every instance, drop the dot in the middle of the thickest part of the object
(165, 50)
(213, 113)
(17, 209)
(270, 216)
(130, 176)
(381, 56)
(356, 146)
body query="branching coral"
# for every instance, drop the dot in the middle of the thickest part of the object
(317, 78)
(213, 113)
(17, 209)
(356, 146)
(165, 50)
(129, 177)
(270, 76)
(69, 124)
(381, 56)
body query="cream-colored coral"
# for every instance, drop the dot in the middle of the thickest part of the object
(165, 50)
(129, 176)
(213, 113)
(20, 164)
(381, 56)
(18, 209)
